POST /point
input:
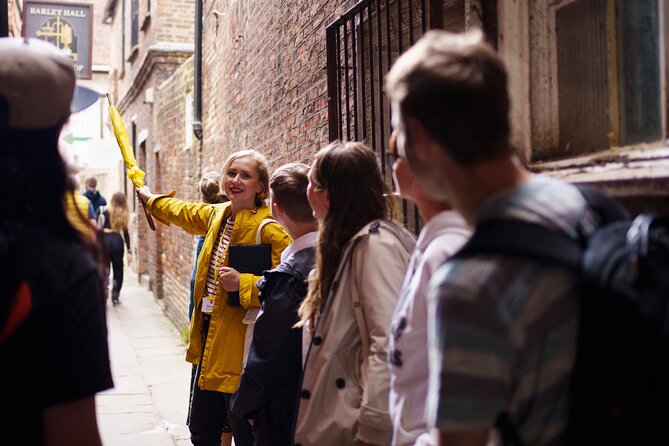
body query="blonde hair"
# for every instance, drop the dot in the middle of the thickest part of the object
(263, 172)
(119, 215)
(210, 189)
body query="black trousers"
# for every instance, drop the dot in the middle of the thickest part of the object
(116, 249)
(209, 411)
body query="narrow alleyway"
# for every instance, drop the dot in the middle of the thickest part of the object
(148, 405)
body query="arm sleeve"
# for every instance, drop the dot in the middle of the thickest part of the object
(270, 359)
(192, 217)
(273, 234)
(91, 211)
(380, 266)
(126, 237)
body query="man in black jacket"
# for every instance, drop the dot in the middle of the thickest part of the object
(97, 200)
(268, 389)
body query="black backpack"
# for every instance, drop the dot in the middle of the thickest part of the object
(620, 385)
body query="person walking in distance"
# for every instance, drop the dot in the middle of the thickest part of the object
(97, 200)
(115, 234)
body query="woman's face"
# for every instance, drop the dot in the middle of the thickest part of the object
(317, 196)
(242, 183)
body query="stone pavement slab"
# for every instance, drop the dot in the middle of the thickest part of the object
(149, 403)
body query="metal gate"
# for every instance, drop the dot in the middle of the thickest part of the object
(361, 47)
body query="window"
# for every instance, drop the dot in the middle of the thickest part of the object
(134, 31)
(595, 76)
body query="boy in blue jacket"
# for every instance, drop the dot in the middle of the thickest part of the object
(268, 390)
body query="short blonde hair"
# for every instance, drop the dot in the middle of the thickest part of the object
(263, 172)
(209, 186)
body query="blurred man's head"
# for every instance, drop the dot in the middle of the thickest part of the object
(449, 97)
(37, 83)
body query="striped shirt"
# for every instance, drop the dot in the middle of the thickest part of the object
(503, 330)
(217, 258)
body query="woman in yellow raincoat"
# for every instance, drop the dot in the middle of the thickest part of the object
(218, 329)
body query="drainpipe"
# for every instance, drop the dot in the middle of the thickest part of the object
(197, 88)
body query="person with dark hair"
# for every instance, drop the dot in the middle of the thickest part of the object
(268, 388)
(502, 328)
(361, 259)
(53, 338)
(219, 323)
(97, 200)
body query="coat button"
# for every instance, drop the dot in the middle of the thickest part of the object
(305, 394)
(318, 340)
(340, 383)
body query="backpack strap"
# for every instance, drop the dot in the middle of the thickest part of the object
(259, 230)
(522, 239)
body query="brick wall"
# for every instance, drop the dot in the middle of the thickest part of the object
(14, 19)
(101, 34)
(179, 170)
(264, 70)
(167, 25)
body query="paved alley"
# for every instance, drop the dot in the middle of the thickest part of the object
(148, 404)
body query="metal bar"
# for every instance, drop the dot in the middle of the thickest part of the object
(347, 84)
(355, 80)
(372, 123)
(363, 81)
(332, 69)
(411, 36)
(436, 14)
(416, 217)
(389, 60)
(423, 19)
(4, 18)
(356, 9)
(339, 110)
(380, 45)
(399, 26)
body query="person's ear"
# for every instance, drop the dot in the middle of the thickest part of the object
(419, 139)
(277, 211)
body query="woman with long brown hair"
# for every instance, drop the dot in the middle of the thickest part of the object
(116, 232)
(361, 260)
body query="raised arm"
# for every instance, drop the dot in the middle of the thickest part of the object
(192, 217)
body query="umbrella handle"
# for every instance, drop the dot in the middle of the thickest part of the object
(149, 218)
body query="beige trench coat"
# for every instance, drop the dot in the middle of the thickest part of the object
(345, 384)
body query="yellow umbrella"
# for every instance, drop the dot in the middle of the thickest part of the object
(135, 174)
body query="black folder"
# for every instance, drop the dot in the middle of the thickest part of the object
(248, 259)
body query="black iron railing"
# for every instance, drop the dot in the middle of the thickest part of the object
(362, 45)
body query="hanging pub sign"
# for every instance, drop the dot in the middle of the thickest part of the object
(69, 26)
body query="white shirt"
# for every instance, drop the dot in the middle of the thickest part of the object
(440, 238)
(308, 240)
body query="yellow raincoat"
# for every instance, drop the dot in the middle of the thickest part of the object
(222, 357)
